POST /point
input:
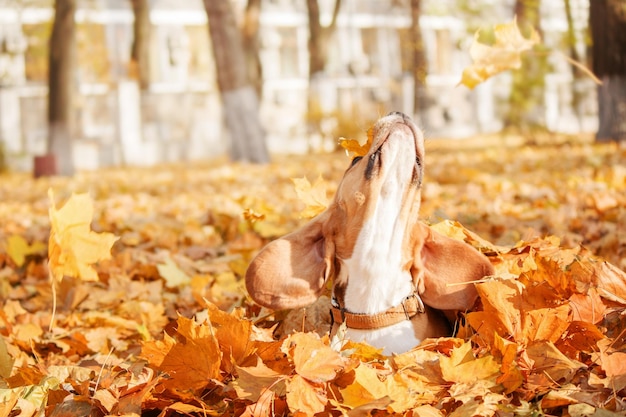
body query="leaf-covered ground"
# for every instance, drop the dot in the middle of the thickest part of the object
(168, 329)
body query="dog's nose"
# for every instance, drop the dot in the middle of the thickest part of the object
(399, 113)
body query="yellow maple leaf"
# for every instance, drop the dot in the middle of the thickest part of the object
(73, 247)
(313, 195)
(313, 359)
(463, 367)
(504, 54)
(354, 147)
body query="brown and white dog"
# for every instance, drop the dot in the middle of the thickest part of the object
(391, 274)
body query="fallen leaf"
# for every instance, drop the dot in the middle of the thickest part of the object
(305, 397)
(550, 361)
(312, 358)
(191, 362)
(174, 277)
(463, 367)
(18, 249)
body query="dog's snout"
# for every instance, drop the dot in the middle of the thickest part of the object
(400, 114)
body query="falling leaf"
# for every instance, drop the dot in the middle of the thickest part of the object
(353, 146)
(313, 196)
(73, 247)
(504, 54)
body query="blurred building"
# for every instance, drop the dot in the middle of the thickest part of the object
(179, 117)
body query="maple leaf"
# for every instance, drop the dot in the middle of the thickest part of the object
(191, 362)
(73, 247)
(312, 358)
(549, 360)
(313, 195)
(504, 54)
(253, 381)
(463, 367)
(354, 147)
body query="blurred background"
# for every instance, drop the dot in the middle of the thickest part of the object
(101, 83)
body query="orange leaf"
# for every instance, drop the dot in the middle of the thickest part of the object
(502, 303)
(304, 397)
(253, 381)
(551, 361)
(233, 334)
(354, 147)
(190, 363)
(545, 324)
(588, 307)
(313, 359)
(614, 364)
(73, 247)
(511, 377)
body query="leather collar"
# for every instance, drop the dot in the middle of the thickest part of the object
(409, 308)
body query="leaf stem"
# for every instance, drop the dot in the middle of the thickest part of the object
(54, 302)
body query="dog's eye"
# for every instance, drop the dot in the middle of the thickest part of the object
(355, 160)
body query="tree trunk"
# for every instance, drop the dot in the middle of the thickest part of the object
(420, 66)
(239, 98)
(319, 37)
(140, 51)
(250, 31)
(607, 21)
(61, 86)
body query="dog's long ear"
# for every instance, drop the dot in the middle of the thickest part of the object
(291, 271)
(443, 269)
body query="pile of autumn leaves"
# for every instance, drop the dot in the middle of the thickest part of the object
(165, 323)
(549, 338)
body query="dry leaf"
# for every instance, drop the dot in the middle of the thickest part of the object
(305, 397)
(18, 249)
(314, 196)
(312, 358)
(174, 276)
(191, 362)
(504, 54)
(73, 247)
(463, 367)
(354, 148)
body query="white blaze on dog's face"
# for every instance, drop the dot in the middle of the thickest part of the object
(375, 207)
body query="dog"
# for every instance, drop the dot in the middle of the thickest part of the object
(395, 281)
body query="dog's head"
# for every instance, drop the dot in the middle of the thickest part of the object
(292, 271)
